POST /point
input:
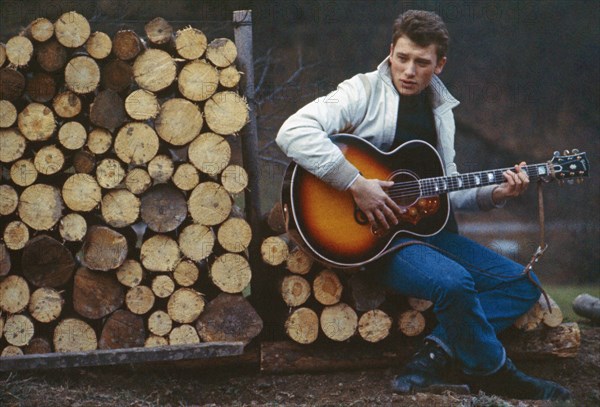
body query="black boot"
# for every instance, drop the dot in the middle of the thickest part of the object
(512, 383)
(427, 371)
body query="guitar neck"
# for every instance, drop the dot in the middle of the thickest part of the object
(442, 185)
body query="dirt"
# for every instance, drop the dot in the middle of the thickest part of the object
(138, 387)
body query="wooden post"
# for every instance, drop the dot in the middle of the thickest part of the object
(242, 22)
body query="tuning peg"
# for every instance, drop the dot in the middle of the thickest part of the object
(556, 154)
(579, 180)
(575, 151)
(566, 152)
(570, 181)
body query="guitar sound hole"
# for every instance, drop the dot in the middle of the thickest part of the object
(406, 190)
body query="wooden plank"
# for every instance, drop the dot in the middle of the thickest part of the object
(112, 357)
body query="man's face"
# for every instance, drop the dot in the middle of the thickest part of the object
(413, 66)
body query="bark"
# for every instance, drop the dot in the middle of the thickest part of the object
(107, 110)
(46, 262)
(103, 249)
(117, 75)
(364, 294)
(126, 45)
(122, 330)
(163, 208)
(544, 343)
(96, 295)
(84, 162)
(12, 84)
(41, 87)
(51, 56)
(5, 262)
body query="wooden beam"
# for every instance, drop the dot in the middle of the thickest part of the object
(112, 357)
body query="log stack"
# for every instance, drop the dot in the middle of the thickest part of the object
(118, 221)
(350, 305)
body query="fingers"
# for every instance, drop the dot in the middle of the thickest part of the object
(517, 181)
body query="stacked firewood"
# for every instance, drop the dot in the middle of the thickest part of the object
(117, 197)
(345, 304)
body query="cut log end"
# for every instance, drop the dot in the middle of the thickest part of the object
(302, 326)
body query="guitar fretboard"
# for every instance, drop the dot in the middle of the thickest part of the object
(442, 185)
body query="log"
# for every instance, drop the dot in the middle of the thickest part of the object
(231, 273)
(209, 204)
(52, 56)
(160, 253)
(16, 235)
(160, 323)
(179, 121)
(411, 323)
(72, 29)
(364, 294)
(120, 208)
(190, 43)
(96, 295)
(9, 199)
(72, 135)
(46, 262)
(185, 305)
(11, 350)
(294, 290)
(183, 335)
(45, 304)
(196, 242)
(221, 52)
(234, 179)
(5, 263)
(109, 173)
(49, 160)
(130, 273)
(186, 177)
(36, 122)
(137, 181)
(198, 80)
(338, 322)
(186, 273)
(41, 29)
(117, 75)
(229, 318)
(139, 299)
(552, 316)
(1, 326)
(153, 341)
(37, 346)
(84, 162)
(234, 235)
(126, 45)
(374, 325)
(327, 287)
(67, 105)
(419, 304)
(18, 330)
(587, 306)
(210, 153)
(107, 110)
(298, 261)
(41, 87)
(8, 114)
(74, 335)
(23, 173)
(274, 250)
(82, 75)
(14, 294)
(13, 145)
(12, 84)
(103, 249)
(2, 54)
(81, 193)
(142, 105)
(72, 227)
(163, 286)
(229, 77)
(99, 45)
(136, 143)
(159, 31)
(302, 326)
(163, 208)
(562, 341)
(161, 168)
(226, 113)
(19, 50)
(40, 206)
(122, 330)
(154, 70)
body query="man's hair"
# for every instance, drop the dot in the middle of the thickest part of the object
(423, 28)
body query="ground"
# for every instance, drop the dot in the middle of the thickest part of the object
(209, 387)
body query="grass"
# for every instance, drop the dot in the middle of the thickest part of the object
(565, 294)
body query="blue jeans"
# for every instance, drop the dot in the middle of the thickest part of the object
(474, 298)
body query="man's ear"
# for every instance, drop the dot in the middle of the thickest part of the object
(440, 65)
(391, 50)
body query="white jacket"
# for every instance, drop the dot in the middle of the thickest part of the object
(367, 106)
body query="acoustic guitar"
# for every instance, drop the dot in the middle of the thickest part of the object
(328, 224)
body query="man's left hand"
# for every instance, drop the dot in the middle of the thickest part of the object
(516, 183)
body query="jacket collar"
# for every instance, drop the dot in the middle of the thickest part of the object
(441, 99)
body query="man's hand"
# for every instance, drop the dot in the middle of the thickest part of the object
(379, 208)
(516, 183)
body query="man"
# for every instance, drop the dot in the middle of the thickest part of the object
(477, 293)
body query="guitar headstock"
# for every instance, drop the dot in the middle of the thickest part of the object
(572, 164)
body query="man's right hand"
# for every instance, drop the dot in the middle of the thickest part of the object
(378, 207)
